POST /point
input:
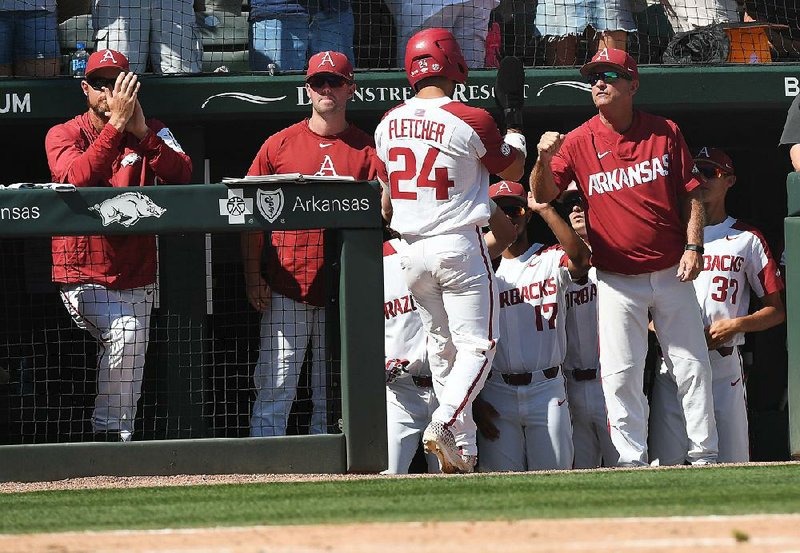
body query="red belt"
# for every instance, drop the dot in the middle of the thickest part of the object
(423, 381)
(726, 351)
(523, 379)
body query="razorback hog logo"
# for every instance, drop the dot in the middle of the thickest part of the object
(126, 209)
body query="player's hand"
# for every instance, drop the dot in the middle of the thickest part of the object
(394, 368)
(720, 332)
(122, 100)
(258, 293)
(690, 265)
(535, 206)
(484, 414)
(549, 144)
(136, 124)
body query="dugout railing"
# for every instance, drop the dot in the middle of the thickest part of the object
(350, 211)
(792, 230)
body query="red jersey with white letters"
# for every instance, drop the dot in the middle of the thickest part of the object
(736, 261)
(632, 184)
(404, 337)
(437, 154)
(532, 309)
(293, 268)
(583, 350)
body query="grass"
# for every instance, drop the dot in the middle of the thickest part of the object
(718, 491)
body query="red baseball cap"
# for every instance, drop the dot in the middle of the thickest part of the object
(106, 58)
(508, 189)
(330, 62)
(715, 157)
(611, 57)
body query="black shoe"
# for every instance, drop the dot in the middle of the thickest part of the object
(107, 436)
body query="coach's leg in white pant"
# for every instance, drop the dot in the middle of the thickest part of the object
(679, 327)
(120, 320)
(285, 331)
(669, 444)
(622, 317)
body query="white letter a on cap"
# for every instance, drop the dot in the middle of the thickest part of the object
(703, 152)
(603, 54)
(327, 59)
(108, 55)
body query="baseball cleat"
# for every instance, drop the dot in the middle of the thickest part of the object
(438, 439)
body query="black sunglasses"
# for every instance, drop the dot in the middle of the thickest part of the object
(607, 77)
(513, 211)
(710, 172)
(98, 84)
(334, 81)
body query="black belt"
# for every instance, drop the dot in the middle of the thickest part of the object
(726, 351)
(422, 381)
(523, 379)
(584, 374)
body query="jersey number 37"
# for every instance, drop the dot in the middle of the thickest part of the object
(428, 177)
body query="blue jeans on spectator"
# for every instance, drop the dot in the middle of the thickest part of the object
(288, 40)
(28, 35)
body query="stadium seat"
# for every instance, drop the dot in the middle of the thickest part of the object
(225, 40)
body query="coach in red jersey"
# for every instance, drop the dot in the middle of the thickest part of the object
(645, 221)
(290, 293)
(107, 282)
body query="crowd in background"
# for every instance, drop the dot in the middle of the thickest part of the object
(168, 36)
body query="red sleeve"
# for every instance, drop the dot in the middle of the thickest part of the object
(261, 164)
(562, 167)
(499, 155)
(70, 163)
(684, 164)
(170, 164)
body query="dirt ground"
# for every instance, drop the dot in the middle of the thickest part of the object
(707, 534)
(739, 534)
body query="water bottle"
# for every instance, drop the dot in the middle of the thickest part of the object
(78, 61)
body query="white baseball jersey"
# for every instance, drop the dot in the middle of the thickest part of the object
(736, 259)
(437, 155)
(404, 335)
(582, 347)
(532, 310)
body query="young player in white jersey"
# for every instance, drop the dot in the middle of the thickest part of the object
(437, 155)
(737, 261)
(587, 405)
(410, 400)
(526, 386)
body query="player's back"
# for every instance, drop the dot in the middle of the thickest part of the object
(432, 150)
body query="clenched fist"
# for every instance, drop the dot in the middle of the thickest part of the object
(549, 145)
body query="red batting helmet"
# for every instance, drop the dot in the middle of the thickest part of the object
(434, 53)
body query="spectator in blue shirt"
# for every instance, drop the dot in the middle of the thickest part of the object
(287, 32)
(29, 38)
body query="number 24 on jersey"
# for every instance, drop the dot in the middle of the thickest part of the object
(428, 177)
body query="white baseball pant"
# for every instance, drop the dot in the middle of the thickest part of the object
(451, 279)
(120, 321)
(623, 305)
(668, 441)
(534, 425)
(164, 29)
(590, 436)
(287, 329)
(408, 411)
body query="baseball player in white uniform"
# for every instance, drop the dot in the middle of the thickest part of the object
(410, 401)
(526, 386)
(587, 405)
(737, 261)
(437, 154)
